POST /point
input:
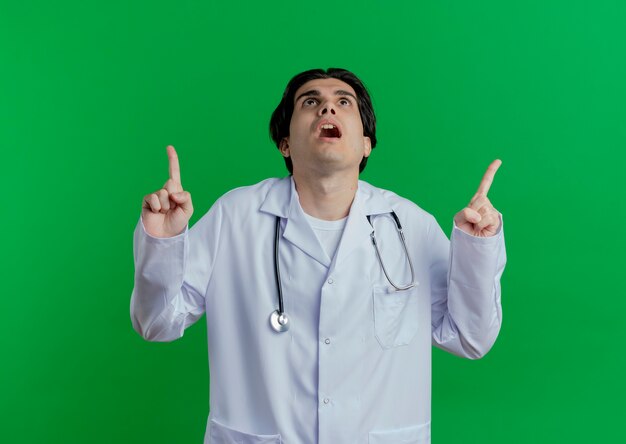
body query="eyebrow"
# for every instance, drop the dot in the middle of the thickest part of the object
(316, 93)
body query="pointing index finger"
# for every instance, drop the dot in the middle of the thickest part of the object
(485, 184)
(173, 164)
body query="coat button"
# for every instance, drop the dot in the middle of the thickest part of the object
(330, 281)
(327, 341)
(326, 400)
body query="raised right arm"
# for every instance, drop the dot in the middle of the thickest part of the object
(173, 263)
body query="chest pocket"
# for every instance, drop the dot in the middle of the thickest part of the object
(395, 315)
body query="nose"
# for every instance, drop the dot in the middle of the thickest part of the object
(327, 108)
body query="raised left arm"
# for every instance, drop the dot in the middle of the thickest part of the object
(465, 278)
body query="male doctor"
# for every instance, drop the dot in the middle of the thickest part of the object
(320, 313)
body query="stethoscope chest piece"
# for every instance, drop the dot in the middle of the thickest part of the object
(279, 322)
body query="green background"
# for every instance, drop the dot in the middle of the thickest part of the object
(92, 92)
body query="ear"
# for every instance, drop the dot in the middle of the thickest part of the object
(284, 147)
(367, 146)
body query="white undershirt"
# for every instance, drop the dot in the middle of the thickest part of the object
(328, 232)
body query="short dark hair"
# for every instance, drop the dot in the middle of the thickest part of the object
(281, 117)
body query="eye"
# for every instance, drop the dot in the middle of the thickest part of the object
(344, 101)
(309, 102)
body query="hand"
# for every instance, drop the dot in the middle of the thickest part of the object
(166, 212)
(480, 218)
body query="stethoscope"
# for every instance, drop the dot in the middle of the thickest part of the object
(279, 319)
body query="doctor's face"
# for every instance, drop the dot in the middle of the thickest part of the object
(326, 131)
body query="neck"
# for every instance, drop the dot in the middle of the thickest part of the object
(327, 198)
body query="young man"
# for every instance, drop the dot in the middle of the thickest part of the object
(337, 347)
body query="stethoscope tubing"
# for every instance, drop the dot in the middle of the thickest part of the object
(279, 286)
(398, 287)
(279, 319)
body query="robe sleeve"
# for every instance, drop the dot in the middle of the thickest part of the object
(465, 272)
(172, 276)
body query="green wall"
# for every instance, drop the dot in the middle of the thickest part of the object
(91, 94)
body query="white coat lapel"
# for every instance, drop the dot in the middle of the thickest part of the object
(357, 231)
(367, 201)
(282, 200)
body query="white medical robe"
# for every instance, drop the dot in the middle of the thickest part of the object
(355, 365)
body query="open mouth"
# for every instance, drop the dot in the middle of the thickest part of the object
(329, 130)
